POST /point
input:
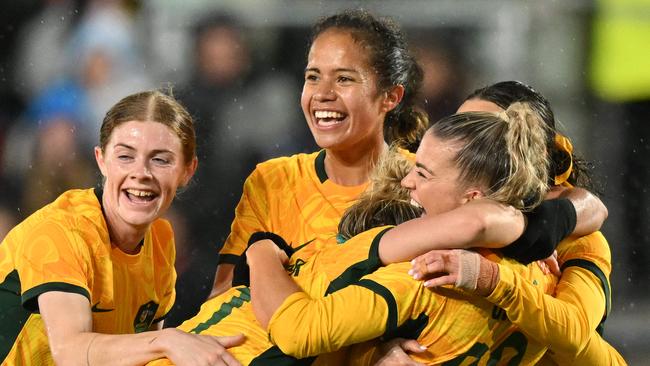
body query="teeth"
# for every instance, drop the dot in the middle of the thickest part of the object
(328, 114)
(139, 193)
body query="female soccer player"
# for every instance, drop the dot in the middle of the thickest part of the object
(360, 90)
(84, 279)
(461, 159)
(571, 322)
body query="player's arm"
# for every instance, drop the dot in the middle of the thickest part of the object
(567, 323)
(591, 213)
(301, 326)
(68, 320)
(250, 217)
(479, 223)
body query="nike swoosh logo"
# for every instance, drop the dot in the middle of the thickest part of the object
(302, 246)
(95, 309)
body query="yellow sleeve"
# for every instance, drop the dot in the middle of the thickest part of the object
(303, 327)
(568, 321)
(52, 258)
(251, 215)
(548, 320)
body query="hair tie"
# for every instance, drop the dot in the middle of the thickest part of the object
(563, 144)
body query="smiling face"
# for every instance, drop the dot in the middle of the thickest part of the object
(143, 166)
(340, 99)
(434, 180)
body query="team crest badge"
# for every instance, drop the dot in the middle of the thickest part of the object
(144, 317)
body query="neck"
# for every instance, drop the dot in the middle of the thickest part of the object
(352, 167)
(124, 236)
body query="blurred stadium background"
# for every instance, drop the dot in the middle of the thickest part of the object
(237, 65)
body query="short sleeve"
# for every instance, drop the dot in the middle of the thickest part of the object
(52, 258)
(251, 215)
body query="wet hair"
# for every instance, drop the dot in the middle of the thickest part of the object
(155, 106)
(389, 57)
(385, 202)
(500, 153)
(506, 93)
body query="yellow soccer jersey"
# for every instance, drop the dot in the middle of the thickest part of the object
(568, 322)
(389, 303)
(65, 246)
(324, 272)
(292, 197)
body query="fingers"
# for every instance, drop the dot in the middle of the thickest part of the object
(411, 345)
(436, 268)
(231, 341)
(441, 281)
(553, 264)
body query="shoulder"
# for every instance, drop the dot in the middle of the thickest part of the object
(592, 247)
(285, 169)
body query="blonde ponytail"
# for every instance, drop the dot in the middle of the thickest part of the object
(529, 161)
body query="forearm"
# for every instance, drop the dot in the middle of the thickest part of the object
(270, 284)
(105, 349)
(591, 213)
(304, 327)
(561, 322)
(481, 223)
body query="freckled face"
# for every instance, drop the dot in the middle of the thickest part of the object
(340, 100)
(143, 166)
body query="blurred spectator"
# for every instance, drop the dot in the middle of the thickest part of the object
(620, 77)
(39, 60)
(242, 117)
(443, 85)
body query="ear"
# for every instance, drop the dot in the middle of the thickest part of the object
(190, 169)
(471, 194)
(99, 157)
(393, 97)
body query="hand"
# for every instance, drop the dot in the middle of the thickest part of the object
(267, 248)
(436, 268)
(394, 352)
(461, 268)
(195, 349)
(550, 265)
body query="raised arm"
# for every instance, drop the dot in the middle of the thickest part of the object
(479, 223)
(591, 213)
(68, 321)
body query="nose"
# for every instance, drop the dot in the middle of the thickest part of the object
(324, 91)
(141, 170)
(407, 181)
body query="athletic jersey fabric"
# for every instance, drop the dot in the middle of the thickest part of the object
(569, 321)
(65, 246)
(292, 197)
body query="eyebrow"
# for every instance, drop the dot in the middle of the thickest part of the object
(342, 69)
(154, 152)
(421, 166)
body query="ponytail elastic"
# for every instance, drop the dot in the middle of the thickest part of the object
(563, 144)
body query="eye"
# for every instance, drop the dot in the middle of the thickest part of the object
(124, 157)
(310, 76)
(344, 79)
(160, 160)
